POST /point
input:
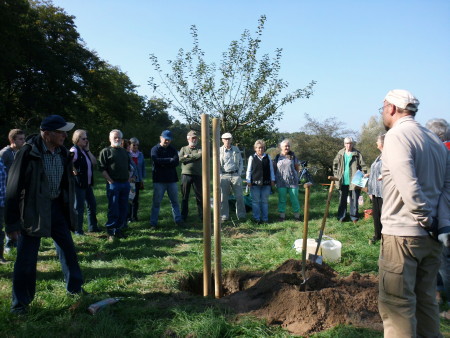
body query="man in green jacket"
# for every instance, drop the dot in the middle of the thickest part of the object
(347, 161)
(191, 174)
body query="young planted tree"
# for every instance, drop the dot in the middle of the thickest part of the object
(244, 91)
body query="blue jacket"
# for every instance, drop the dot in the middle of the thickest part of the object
(165, 162)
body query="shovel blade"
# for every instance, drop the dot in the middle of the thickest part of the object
(315, 258)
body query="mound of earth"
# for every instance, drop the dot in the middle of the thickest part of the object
(324, 301)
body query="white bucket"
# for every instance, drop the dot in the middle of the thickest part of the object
(331, 250)
(311, 245)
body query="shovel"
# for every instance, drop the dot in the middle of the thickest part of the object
(305, 230)
(316, 258)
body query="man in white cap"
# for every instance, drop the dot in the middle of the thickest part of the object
(40, 202)
(347, 161)
(415, 215)
(231, 168)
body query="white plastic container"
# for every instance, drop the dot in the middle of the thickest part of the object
(311, 245)
(331, 250)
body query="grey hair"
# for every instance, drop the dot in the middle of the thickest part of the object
(261, 142)
(381, 138)
(286, 140)
(440, 127)
(116, 131)
(348, 139)
(134, 140)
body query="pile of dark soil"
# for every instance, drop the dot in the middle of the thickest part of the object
(324, 301)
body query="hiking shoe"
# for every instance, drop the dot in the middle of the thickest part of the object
(20, 310)
(119, 234)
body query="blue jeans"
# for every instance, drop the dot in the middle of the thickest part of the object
(86, 196)
(342, 209)
(117, 194)
(24, 276)
(260, 202)
(158, 193)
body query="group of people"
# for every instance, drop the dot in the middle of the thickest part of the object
(409, 184)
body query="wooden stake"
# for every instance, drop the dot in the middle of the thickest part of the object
(216, 197)
(206, 207)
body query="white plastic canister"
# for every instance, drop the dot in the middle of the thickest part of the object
(331, 250)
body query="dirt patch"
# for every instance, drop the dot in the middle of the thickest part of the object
(324, 301)
(280, 297)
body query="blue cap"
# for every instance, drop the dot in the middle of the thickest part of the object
(167, 134)
(56, 122)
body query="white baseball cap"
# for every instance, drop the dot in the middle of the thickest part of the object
(402, 98)
(227, 135)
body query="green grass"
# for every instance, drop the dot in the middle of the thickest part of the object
(145, 270)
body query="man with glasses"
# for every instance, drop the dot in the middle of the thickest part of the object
(416, 214)
(115, 166)
(191, 174)
(347, 161)
(40, 202)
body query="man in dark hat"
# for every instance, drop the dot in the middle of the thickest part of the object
(40, 200)
(164, 174)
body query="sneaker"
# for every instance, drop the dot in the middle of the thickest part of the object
(82, 292)
(181, 224)
(281, 219)
(119, 234)
(20, 310)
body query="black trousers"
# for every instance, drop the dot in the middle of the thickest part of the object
(186, 182)
(133, 206)
(377, 205)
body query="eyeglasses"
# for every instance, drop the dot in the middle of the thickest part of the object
(84, 138)
(135, 144)
(381, 110)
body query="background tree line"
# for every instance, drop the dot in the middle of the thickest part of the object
(46, 68)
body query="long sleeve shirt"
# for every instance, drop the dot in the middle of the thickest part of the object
(165, 160)
(416, 180)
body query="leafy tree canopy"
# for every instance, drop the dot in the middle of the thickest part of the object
(244, 91)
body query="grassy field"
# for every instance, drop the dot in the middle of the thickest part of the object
(146, 269)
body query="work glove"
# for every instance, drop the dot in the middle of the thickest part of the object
(445, 239)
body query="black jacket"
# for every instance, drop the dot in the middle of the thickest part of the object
(28, 202)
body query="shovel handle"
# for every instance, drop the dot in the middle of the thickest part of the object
(306, 216)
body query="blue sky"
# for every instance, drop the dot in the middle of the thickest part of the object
(356, 50)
